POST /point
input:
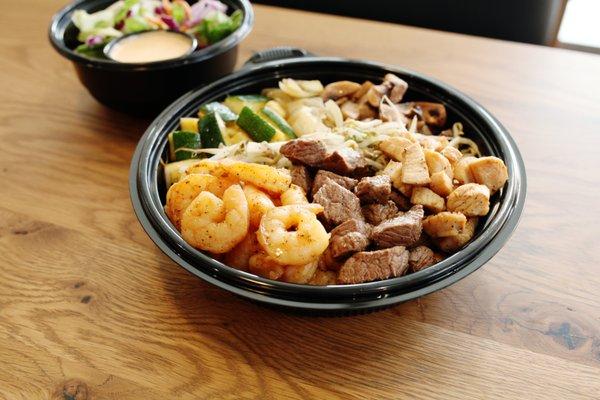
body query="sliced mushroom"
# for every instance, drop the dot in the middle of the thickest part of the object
(364, 88)
(398, 86)
(376, 93)
(365, 111)
(350, 110)
(335, 90)
(397, 112)
(406, 109)
(341, 100)
(389, 113)
(432, 113)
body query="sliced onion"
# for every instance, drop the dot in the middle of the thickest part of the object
(334, 113)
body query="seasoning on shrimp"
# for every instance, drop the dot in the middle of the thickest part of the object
(216, 225)
(292, 234)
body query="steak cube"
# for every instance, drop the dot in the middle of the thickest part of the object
(339, 203)
(403, 230)
(374, 189)
(322, 176)
(368, 266)
(376, 213)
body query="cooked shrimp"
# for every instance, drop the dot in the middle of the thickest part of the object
(216, 225)
(258, 204)
(263, 265)
(270, 179)
(205, 166)
(182, 193)
(239, 256)
(299, 273)
(322, 278)
(266, 266)
(294, 195)
(292, 234)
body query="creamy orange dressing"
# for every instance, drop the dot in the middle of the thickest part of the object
(150, 46)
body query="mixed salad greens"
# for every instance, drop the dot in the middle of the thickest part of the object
(206, 19)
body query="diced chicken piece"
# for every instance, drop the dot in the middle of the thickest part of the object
(471, 199)
(420, 258)
(452, 154)
(414, 167)
(462, 170)
(436, 162)
(451, 244)
(428, 199)
(444, 224)
(394, 147)
(405, 189)
(394, 170)
(489, 171)
(441, 184)
(431, 142)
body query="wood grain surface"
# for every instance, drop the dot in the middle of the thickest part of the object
(90, 307)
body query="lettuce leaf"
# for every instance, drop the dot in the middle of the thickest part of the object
(135, 24)
(178, 13)
(122, 14)
(91, 51)
(217, 26)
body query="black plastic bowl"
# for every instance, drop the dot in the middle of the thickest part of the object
(149, 87)
(147, 190)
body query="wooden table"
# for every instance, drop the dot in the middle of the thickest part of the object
(87, 299)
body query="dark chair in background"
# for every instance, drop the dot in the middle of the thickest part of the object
(530, 21)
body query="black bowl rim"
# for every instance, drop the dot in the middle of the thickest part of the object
(336, 297)
(58, 26)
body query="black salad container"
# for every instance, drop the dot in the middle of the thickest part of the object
(146, 88)
(148, 191)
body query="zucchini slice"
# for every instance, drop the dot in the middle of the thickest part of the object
(180, 140)
(174, 171)
(255, 102)
(224, 112)
(257, 128)
(234, 134)
(189, 124)
(212, 130)
(279, 122)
